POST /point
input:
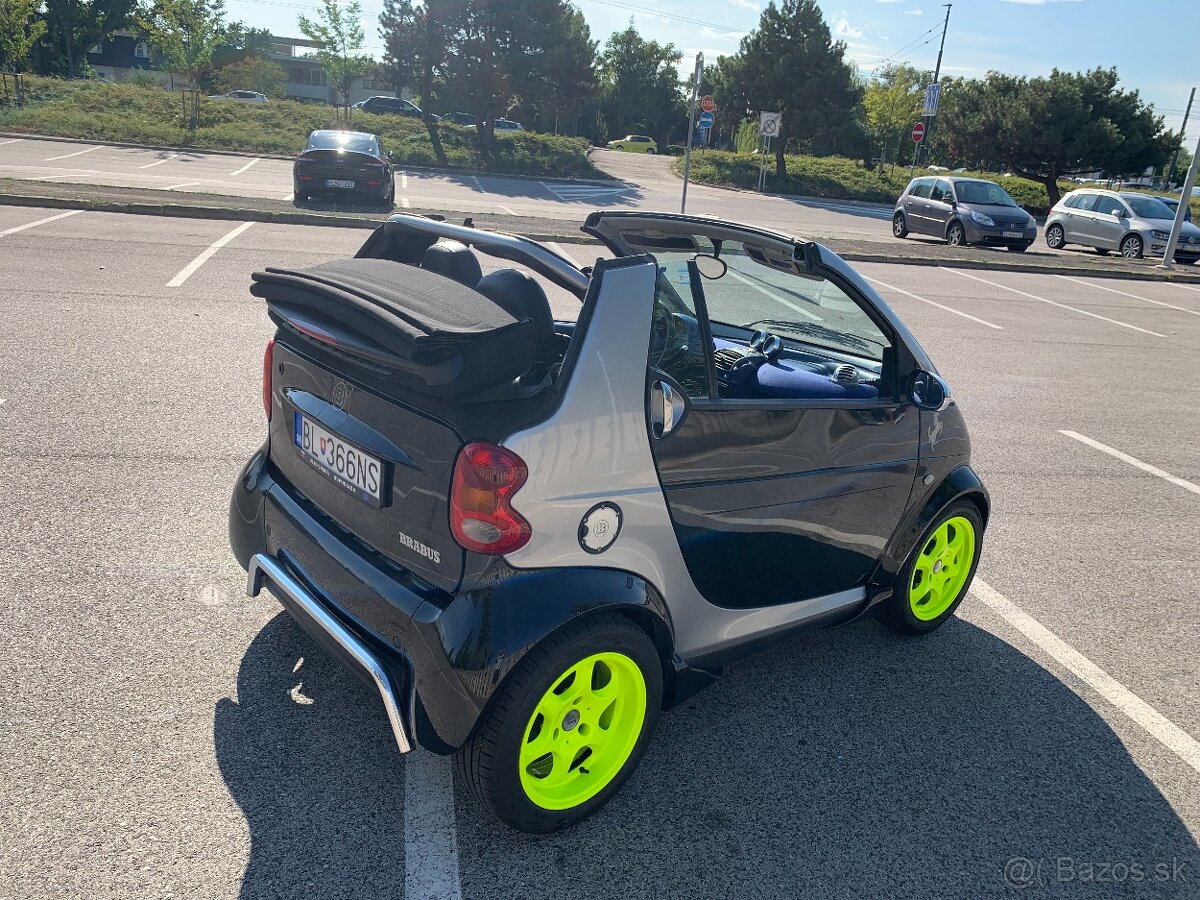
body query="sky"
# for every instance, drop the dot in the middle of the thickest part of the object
(1155, 51)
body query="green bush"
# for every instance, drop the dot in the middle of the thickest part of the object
(142, 114)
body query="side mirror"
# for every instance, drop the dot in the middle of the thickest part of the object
(929, 391)
(709, 266)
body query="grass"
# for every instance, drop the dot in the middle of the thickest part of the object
(126, 113)
(838, 178)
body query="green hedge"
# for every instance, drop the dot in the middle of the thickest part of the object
(127, 113)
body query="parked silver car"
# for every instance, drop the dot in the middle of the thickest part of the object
(1133, 224)
(963, 211)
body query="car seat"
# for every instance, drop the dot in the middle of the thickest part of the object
(454, 260)
(522, 297)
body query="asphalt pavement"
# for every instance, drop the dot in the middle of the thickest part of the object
(163, 735)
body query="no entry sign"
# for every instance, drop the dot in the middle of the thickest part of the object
(707, 104)
(918, 132)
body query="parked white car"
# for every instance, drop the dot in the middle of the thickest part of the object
(241, 97)
(1133, 224)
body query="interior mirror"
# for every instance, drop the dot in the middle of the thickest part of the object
(929, 391)
(709, 266)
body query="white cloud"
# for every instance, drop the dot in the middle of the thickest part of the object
(745, 4)
(914, 12)
(843, 28)
(722, 35)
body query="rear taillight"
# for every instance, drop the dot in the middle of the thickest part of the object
(481, 515)
(268, 364)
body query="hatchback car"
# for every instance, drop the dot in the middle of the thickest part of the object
(635, 143)
(1172, 203)
(531, 536)
(344, 164)
(1130, 223)
(384, 106)
(459, 118)
(241, 97)
(963, 211)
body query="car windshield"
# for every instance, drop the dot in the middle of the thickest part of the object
(354, 141)
(983, 192)
(1148, 208)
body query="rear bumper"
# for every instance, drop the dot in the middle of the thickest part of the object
(338, 638)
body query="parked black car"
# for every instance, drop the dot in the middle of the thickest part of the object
(459, 118)
(530, 536)
(389, 106)
(963, 211)
(344, 164)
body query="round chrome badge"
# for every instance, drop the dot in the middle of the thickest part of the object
(600, 527)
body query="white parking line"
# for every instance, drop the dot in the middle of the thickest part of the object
(478, 186)
(176, 187)
(1052, 302)
(159, 162)
(1194, 312)
(949, 309)
(404, 181)
(287, 197)
(430, 834)
(505, 209)
(73, 212)
(204, 257)
(1189, 287)
(762, 290)
(69, 155)
(245, 167)
(5, 143)
(1155, 723)
(404, 201)
(76, 173)
(1133, 461)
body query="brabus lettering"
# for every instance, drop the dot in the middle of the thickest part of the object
(429, 553)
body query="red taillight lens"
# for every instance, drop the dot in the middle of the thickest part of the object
(481, 516)
(268, 364)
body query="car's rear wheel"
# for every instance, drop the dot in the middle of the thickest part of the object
(956, 235)
(899, 226)
(1056, 238)
(568, 727)
(649, 151)
(938, 574)
(1131, 247)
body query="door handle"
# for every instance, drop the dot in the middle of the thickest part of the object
(666, 409)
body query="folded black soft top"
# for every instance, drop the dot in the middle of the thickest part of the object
(450, 339)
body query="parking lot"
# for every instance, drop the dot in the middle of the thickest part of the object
(166, 736)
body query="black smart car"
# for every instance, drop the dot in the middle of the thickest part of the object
(530, 536)
(344, 164)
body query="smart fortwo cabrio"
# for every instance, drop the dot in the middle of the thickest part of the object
(531, 536)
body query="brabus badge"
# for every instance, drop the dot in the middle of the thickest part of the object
(341, 394)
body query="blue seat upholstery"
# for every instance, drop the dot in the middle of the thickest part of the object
(786, 380)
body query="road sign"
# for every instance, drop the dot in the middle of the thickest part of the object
(706, 119)
(932, 93)
(918, 132)
(707, 104)
(770, 123)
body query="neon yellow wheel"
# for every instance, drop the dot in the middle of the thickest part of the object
(942, 568)
(582, 731)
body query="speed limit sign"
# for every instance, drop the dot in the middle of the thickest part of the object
(769, 124)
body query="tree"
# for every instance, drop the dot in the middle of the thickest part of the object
(562, 75)
(252, 74)
(184, 34)
(791, 64)
(642, 91)
(415, 46)
(20, 29)
(74, 25)
(893, 104)
(1053, 127)
(338, 34)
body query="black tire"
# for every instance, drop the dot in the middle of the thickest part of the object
(489, 760)
(649, 151)
(956, 235)
(898, 613)
(1131, 246)
(1018, 248)
(1056, 237)
(1103, 251)
(899, 225)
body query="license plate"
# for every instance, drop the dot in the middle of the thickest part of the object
(338, 183)
(342, 463)
(1014, 234)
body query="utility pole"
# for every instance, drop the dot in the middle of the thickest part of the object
(1184, 199)
(687, 156)
(1182, 131)
(937, 71)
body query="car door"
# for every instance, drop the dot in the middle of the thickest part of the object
(916, 206)
(1070, 212)
(771, 500)
(940, 206)
(1107, 223)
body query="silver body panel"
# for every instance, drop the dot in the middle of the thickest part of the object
(596, 448)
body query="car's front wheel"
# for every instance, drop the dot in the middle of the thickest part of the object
(956, 235)
(899, 226)
(1056, 238)
(938, 574)
(568, 727)
(649, 151)
(1131, 247)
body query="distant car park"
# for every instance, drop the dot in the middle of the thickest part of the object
(241, 97)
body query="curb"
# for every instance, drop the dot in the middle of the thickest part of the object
(605, 182)
(242, 214)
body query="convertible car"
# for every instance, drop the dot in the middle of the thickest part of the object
(531, 536)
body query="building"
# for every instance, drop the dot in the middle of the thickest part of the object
(122, 55)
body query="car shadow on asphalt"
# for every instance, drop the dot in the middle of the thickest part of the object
(845, 763)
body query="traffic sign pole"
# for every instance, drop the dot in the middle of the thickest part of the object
(687, 157)
(1184, 199)
(937, 71)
